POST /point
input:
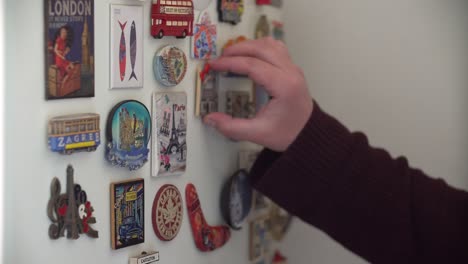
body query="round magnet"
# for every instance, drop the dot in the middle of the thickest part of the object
(169, 65)
(167, 212)
(236, 199)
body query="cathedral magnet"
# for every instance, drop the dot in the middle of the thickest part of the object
(167, 214)
(128, 132)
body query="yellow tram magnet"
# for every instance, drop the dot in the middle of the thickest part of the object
(71, 133)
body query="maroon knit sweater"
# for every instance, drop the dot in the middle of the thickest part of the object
(374, 205)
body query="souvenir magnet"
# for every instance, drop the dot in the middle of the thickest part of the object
(126, 50)
(128, 132)
(238, 104)
(167, 214)
(71, 133)
(279, 222)
(171, 18)
(206, 95)
(263, 28)
(127, 213)
(69, 49)
(204, 38)
(169, 65)
(279, 259)
(278, 30)
(230, 11)
(169, 146)
(70, 212)
(236, 199)
(207, 238)
(145, 258)
(259, 240)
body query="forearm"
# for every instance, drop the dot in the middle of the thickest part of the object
(374, 205)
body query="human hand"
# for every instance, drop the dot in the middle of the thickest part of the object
(267, 62)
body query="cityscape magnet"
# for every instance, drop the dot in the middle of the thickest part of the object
(128, 133)
(169, 65)
(127, 213)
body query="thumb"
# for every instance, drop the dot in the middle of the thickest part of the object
(234, 128)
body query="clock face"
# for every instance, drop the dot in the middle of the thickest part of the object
(201, 4)
(167, 212)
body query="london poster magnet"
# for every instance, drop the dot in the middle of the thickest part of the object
(169, 146)
(169, 65)
(72, 133)
(128, 133)
(167, 212)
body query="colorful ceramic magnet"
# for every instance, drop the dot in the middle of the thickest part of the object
(128, 132)
(127, 213)
(171, 18)
(238, 104)
(70, 212)
(126, 50)
(167, 212)
(236, 199)
(206, 95)
(279, 259)
(278, 30)
(69, 49)
(145, 258)
(169, 65)
(169, 146)
(204, 38)
(279, 222)
(230, 11)
(71, 133)
(206, 237)
(259, 240)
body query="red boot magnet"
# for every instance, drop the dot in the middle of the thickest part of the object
(207, 238)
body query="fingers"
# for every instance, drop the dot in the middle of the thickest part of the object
(235, 128)
(259, 71)
(265, 49)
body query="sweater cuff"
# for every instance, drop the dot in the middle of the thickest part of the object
(319, 149)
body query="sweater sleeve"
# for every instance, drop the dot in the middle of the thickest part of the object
(374, 205)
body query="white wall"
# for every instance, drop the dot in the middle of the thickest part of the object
(30, 166)
(393, 69)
